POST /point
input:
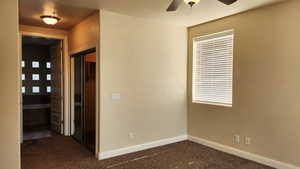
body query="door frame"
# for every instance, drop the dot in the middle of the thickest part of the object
(65, 130)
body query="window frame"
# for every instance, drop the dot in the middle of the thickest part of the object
(196, 40)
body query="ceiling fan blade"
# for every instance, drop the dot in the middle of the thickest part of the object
(228, 2)
(174, 5)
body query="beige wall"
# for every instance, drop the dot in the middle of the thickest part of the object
(84, 35)
(145, 62)
(43, 31)
(10, 86)
(266, 84)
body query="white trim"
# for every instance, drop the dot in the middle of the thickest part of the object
(243, 154)
(140, 147)
(211, 144)
(214, 35)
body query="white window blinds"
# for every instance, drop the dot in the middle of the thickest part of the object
(212, 68)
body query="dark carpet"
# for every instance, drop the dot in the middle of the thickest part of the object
(61, 152)
(36, 132)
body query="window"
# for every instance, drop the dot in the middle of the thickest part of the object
(35, 77)
(23, 76)
(35, 89)
(23, 63)
(48, 89)
(48, 76)
(212, 69)
(35, 64)
(48, 65)
(23, 89)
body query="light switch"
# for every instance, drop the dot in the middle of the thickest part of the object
(115, 96)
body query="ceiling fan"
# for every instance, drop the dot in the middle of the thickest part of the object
(175, 3)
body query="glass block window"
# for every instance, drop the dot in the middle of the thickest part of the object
(35, 89)
(23, 89)
(48, 65)
(48, 76)
(35, 64)
(23, 76)
(23, 63)
(35, 77)
(48, 89)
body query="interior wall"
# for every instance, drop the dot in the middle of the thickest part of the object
(144, 63)
(10, 86)
(42, 31)
(266, 84)
(84, 35)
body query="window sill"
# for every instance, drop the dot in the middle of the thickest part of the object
(212, 103)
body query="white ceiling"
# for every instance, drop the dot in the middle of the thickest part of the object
(204, 11)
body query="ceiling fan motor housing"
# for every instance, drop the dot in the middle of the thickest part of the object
(191, 3)
(228, 2)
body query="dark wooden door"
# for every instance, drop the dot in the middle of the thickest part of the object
(56, 87)
(85, 100)
(79, 98)
(90, 101)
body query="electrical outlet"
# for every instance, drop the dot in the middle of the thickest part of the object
(116, 96)
(247, 140)
(131, 135)
(236, 139)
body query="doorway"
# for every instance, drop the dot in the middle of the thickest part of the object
(42, 87)
(84, 119)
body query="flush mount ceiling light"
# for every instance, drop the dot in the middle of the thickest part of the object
(50, 19)
(191, 2)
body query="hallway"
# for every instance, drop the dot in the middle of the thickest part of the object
(55, 152)
(61, 152)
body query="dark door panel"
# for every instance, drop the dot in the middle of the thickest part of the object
(85, 100)
(90, 101)
(56, 87)
(79, 108)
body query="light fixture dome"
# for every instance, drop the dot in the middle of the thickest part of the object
(50, 19)
(191, 2)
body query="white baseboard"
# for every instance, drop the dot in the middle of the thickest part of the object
(243, 154)
(211, 144)
(140, 147)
